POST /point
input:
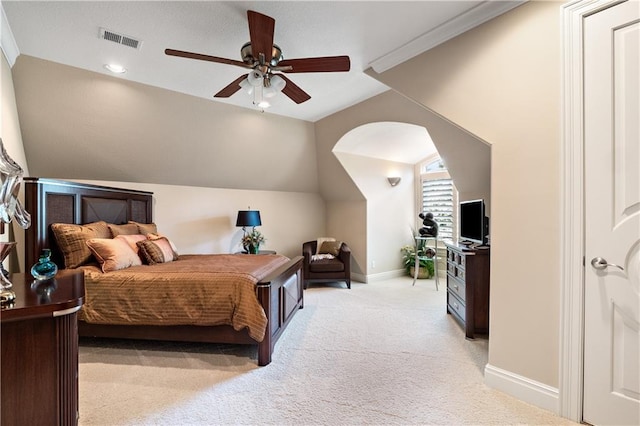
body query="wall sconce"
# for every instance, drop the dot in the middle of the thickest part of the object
(393, 181)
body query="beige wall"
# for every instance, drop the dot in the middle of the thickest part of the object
(9, 122)
(86, 125)
(501, 81)
(12, 141)
(347, 221)
(202, 220)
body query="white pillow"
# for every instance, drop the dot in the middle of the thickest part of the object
(322, 240)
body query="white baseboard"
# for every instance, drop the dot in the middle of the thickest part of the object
(523, 388)
(361, 278)
(377, 277)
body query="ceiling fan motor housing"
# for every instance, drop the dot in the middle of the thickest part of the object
(247, 55)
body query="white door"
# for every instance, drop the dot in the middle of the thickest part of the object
(612, 216)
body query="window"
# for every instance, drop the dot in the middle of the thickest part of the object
(435, 166)
(439, 196)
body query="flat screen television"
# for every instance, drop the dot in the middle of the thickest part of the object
(474, 225)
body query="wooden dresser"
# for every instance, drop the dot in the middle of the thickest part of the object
(468, 288)
(40, 351)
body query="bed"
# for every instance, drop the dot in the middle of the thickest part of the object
(278, 286)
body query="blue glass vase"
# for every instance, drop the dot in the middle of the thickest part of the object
(45, 269)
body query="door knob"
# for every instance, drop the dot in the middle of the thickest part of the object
(601, 264)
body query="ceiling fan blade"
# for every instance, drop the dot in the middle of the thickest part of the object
(322, 64)
(231, 88)
(293, 91)
(261, 29)
(201, 57)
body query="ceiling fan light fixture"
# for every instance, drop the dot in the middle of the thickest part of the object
(268, 92)
(247, 87)
(276, 84)
(259, 98)
(255, 78)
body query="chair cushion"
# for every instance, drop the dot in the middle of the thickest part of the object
(326, 265)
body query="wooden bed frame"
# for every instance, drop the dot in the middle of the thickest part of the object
(54, 201)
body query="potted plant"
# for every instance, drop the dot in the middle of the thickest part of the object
(425, 264)
(251, 241)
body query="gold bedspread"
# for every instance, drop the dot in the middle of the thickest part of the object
(193, 290)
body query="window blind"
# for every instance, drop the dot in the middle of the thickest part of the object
(438, 198)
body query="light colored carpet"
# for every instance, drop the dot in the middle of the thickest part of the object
(380, 353)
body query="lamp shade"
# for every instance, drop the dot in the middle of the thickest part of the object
(248, 218)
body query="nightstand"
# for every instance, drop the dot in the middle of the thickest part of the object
(40, 351)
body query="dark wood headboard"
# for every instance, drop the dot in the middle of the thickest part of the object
(57, 201)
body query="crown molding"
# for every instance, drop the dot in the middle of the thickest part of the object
(464, 22)
(7, 41)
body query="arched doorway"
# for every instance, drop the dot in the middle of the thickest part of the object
(371, 153)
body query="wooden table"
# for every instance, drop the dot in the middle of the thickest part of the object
(39, 351)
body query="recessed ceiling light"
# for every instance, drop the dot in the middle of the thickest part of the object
(115, 68)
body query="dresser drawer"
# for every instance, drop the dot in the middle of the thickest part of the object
(457, 306)
(457, 287)
(455, 270)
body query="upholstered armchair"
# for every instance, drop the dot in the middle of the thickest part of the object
(326, 270)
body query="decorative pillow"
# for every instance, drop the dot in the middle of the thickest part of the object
(330, 247)
(322, 240)
(124, 229)
(155, 237)
(132, 240)
(72, 239)
(156, 251)
(145, 228)
(158, 236)
(113, 253)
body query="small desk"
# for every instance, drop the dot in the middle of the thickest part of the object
(39, 351)
(419, 238)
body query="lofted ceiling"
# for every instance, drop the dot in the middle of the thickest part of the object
(378, 34)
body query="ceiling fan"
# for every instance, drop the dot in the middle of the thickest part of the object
(265, 60)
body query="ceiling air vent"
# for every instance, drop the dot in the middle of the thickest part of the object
(119, 38)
